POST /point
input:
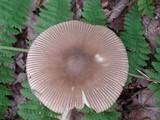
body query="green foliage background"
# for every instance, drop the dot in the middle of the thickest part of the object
(12, 18)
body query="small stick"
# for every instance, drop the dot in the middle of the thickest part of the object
(14, 49)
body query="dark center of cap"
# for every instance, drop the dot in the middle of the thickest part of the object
(76, 64)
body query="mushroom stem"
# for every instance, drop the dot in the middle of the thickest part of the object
(14, 49)
(66, 115)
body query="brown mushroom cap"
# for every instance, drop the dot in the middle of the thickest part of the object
(75, 63)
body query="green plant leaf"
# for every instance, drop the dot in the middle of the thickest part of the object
(134, 41)
(146, 6)
(93, 13)
(56, 11)
(33, 109)
(11, 22)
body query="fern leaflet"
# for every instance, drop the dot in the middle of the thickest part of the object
(10, 23)
(155, 75)
(134, 41)
(106, 115)
(93, 13)
(146, 6)
(56, 11)
(33, 109)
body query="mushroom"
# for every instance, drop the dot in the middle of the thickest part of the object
(75, 63)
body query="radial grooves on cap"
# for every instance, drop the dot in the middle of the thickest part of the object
(46, 62)
(105, 94)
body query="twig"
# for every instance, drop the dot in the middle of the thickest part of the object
(118, 9)
(147, 77)
(123, 6)
(144, 77)
(14, 49)
(137, 76)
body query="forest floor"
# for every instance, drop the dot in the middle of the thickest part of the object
(135, 101)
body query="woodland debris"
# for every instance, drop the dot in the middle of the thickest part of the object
(146, 109)
(77, 8)
(17, 99)
(76, 115)
(117, 24)
(37, 4)
(157, 2)
(152, 31)
(105, 3)
(33, 19)
(157, 11)
(21, 78)
(31, 33)
(117, 9)
(20, 62)
(142, 83)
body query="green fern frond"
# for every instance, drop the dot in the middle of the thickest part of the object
(146, 6)
(10, 23)
(154, 74)
(33, 109)
(93, 13)
(134, 41)
(11, 20)
(4, 101)
(156, 89)
(5, 90)
(5, 60)
(6, 78)
(110, 114)
(56, 11)
(27, 93)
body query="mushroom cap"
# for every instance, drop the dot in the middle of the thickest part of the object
(75, 63)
